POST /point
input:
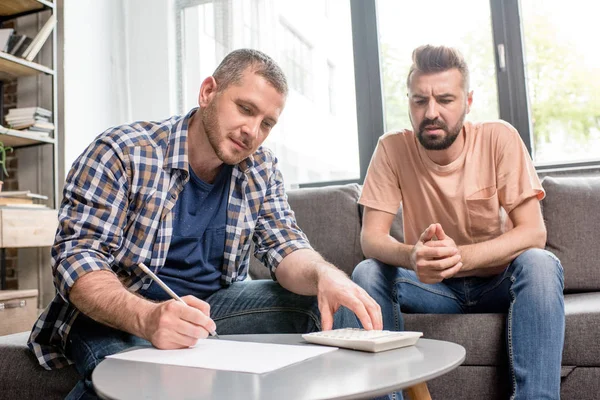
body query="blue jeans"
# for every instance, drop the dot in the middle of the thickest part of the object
(248, 307)
(530, 291)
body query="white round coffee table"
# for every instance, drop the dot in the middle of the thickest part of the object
(341, 374)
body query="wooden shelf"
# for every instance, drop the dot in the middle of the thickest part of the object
(12, 67)
(16, 7)
(14, 138)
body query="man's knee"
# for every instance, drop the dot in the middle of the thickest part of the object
(540, 266)
(89, 342)
(366, 272)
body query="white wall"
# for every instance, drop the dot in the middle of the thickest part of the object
(116, 67)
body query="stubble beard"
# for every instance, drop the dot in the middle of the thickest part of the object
(447, 140)
(212, 129)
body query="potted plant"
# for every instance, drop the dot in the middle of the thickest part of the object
(3, 150)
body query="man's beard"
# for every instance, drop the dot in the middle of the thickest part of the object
(212, 128)
(432, 143)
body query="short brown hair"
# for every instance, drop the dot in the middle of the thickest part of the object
(430, 59)
(230, 70)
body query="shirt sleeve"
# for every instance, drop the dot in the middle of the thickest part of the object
(517, 179)
(381, 189)
(91, 216)
(276, 233)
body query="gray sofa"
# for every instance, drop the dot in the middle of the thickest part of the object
(331, 218)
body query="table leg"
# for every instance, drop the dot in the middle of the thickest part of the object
(418, 392)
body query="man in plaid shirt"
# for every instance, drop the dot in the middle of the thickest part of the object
(186, 196)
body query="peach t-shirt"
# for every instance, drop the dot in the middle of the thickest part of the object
(470, 197)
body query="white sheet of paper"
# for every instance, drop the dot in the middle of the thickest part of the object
(229, 355)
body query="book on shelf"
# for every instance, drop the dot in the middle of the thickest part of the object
(27, 194)
(29, 134)
(32, 125)
(18, 44)
(25, 120)
(21, 198)
(16, 118)
(25, 133)
(41, 129)
(11, 118)
(5, 35)
(35, 46)
(36, 206)
(12, 42)
(28, 111)
(32, 119)
(7, 201)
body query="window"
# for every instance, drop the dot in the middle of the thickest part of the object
(251, 23)
(296, 55)
(331, 86)
(533, 63)
(207, 16)
(313, 144)
(563, 80)
(470, 32)
(200, 32)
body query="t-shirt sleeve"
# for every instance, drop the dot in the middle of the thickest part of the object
(517, 179)
(381, 189)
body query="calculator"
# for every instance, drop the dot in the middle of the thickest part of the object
(360, 339)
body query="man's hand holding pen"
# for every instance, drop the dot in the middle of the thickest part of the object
(177, 323)
(174, 324)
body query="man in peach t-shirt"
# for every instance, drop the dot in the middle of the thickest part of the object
(473, 229)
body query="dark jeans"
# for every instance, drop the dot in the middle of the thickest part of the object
(249, 307)
(530, 291)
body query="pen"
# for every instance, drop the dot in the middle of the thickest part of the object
(167, 289)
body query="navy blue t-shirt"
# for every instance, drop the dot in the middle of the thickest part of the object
(195, 257)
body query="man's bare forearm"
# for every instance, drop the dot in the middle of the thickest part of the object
(305, 272)
(492, 256)
(299, 271)
(387, 250)
(101, 296)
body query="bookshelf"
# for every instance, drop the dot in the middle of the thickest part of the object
(12, 67)
(17, 139)
(30, 227)
(18, 8)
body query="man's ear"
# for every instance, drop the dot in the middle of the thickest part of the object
(208, 90)
(469, 101)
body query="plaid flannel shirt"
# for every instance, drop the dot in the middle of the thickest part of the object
(116, 214)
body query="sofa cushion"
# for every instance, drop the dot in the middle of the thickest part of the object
(397, 229)
(491, 383)
(582, 333)
(572, 214)
(471, 383)
(329, 216)
(482, 335)
(23, 378)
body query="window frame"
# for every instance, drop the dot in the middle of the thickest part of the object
(370, 113)
(511, 81)
(364, 155)
(301, 80)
